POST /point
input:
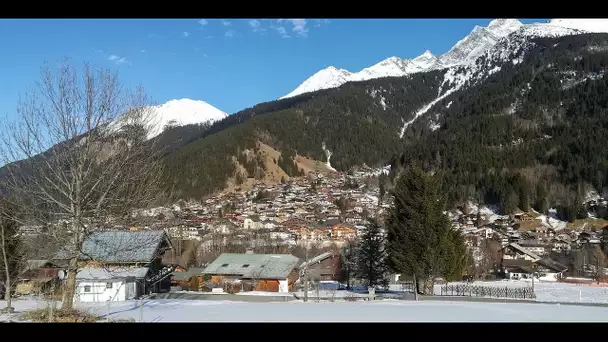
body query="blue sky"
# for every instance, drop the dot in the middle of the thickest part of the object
(231, 64)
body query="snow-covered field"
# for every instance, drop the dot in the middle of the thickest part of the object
(379, 311)
(552, 291)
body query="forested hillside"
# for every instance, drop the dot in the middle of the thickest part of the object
(358, 122)
(532, 134)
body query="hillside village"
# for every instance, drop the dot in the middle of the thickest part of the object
(298, 226)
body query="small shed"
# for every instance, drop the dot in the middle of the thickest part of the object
(116, 284)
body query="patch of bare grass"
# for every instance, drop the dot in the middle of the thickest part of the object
(60, 316)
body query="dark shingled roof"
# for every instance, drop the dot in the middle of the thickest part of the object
(552, 265)
(120, 246)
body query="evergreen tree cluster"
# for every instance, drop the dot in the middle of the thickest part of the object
(530, 136)
(420, 239)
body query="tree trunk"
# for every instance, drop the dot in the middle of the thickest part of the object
(7, 282)
(426, 286)
(70, 286)
(7, 293)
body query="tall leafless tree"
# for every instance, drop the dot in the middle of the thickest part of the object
(11, 254)
(80, 150)
(600, 262)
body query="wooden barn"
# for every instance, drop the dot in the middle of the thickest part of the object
(255, 272)
(39, 277)
(323, 267)
(120, 265)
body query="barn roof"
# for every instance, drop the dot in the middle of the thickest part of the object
(260, 266)
(120, 246)
(90, 273)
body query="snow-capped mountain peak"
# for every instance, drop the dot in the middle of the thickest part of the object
(479, 40)
(329, 77)
(425, 61)
(181, 112)
(177, 112)
(504, 27)
(467, 50)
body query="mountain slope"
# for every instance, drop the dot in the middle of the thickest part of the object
(527, 114)
(464, 52)
(302, 126)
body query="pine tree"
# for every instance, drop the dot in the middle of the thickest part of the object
(420, 239)
(371, 256)
(347, 263)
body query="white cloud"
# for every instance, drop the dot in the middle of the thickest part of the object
(299, 27)
(230, 33)
(144, 50)
(209, 37)
(282, 31)
(117, 59)
(205, 55)
(319, 22)
(256, 26)
(185, 34)
(203, 22)
(226, 22)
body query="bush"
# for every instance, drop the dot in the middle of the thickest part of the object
(61, 316)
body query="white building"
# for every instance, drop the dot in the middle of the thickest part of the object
(102, 285)
(253, 222)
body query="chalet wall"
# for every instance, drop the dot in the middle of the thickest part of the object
(268, 285)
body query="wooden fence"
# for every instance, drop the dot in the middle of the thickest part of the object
(488, 291)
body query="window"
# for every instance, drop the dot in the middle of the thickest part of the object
(87, 288)
(224, 265)
(108, 285)
(246, 265)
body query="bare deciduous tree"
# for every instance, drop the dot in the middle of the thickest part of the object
(600, 262)
(11, 254)
(80, 151)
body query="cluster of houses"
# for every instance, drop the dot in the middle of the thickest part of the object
(124, 265)
(302, 209)
(528, 244)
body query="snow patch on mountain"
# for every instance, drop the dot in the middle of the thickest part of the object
(328, 154)
(454, 80)
(588, 25)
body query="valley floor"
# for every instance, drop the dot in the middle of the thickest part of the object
(378, 311)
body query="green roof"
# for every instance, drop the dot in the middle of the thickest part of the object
(259, 266)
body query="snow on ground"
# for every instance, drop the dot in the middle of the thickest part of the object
(551, 291)
(264, 293)
(375, 311)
